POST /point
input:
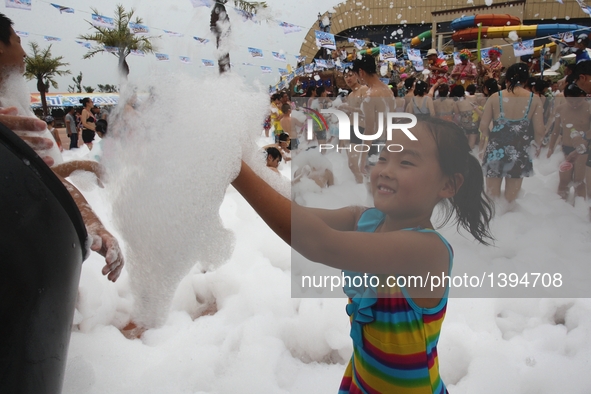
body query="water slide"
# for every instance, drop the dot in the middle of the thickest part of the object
(494, 26)
(501, 26)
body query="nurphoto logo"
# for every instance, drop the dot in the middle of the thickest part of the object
(345, 130)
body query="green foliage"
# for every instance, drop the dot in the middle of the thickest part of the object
(43, 67)
(107, 88)
(120, 37)
(77, 88)
(88, 89)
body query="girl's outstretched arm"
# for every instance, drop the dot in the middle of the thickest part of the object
(396, 252)
(275, 209)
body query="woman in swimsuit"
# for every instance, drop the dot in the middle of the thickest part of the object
(88, 122)
(511, 143)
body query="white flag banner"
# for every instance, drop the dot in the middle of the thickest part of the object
(173, 33)
(279, 57)
(523, 48)
(289, 28)
(162, 57)
(20, 4)
(140, 30)
(102, 21)
(84, 44)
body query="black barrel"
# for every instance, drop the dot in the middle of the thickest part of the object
(42, 247)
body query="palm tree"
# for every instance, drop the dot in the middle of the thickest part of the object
(43, 67)
(77, 88)
(219, 25)
(120, 37)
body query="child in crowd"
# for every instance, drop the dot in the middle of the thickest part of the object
(290, 127)
(273, 158)
(465, 115)
(56, 135)
(282, 146)
(395, 330)
(573, 118)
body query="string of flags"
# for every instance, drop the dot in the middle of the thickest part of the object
(106, 22)
(67, 10)
(323, 40)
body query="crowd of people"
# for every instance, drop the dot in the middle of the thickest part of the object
(507, 114)
(470, 136)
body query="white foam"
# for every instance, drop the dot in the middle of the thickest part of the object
(167, 207)
(14, 92)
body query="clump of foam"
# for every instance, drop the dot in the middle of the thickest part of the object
(14, 92)
(166, 206)
(312, 158)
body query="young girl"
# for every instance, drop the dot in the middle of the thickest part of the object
(421, 104)
(51, 127)
(443, 106)
(465, 116)
(395, 330)
(573, 118)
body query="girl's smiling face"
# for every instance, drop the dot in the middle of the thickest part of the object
(408, 184)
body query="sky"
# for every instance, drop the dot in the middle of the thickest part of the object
(175, 15)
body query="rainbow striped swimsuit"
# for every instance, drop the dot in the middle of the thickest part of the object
(394, 340)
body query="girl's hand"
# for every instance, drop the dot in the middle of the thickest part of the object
(550, 152)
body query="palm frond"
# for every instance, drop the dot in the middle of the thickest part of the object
(42, 65)
(120, 37)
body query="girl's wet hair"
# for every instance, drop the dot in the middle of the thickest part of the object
(517, 74)
(443, 90)
(101, 126)
(274, 153)
(84, 101)
(491, 86)
(421, 88)
(409, 82)
(536, 84)
(472, 207)
(458, 91)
